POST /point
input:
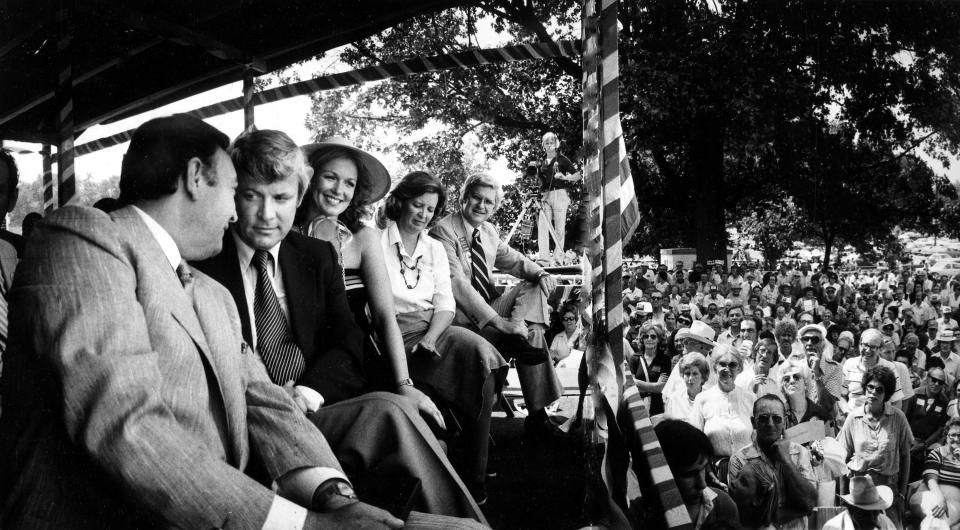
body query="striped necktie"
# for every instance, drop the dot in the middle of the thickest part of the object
(480, 276)
(280, 354)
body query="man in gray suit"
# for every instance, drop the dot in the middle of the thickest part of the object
(130, 398)
(514, 321)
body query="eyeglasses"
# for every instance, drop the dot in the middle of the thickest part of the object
(953, 435)
(936, 381)
(732, 365)
(765, 418)
(869, 347)
(653, 336)
(875, 389)
(569, 319)
(791, 377)
(812, 339)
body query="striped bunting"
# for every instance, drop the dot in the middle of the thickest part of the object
(676, 513)
(508, 54)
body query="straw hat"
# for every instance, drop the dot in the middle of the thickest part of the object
(813, 327)
(864, 495)
(700, 331)
(946, 335)
(375, 171)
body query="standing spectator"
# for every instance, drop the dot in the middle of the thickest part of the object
(772, 479)
(927, 416)
(877, 437)
(944, 351)
(694, 371)
(723, 412)
(871, 341)
(650, 365)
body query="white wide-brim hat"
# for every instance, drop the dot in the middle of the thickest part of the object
(373, 171)
(700, 331)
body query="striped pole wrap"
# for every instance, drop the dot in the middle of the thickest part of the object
(675, 512)
(48, 204)
(508, 54)
(67, 185)
(248, 106)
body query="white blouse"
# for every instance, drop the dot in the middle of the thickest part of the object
(724, 417)
(423, 281)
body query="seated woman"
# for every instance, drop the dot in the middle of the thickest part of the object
(694, 370)
(455, 364)
(939, 496)
(571, 338)
(723, 412)
(345, 181)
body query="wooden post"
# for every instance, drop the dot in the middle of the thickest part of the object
(64, 97)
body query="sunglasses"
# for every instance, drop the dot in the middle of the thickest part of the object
(791, 377)
(765, 418)
(651, 336)
(936, 381)
(732, 365)
(569, 319)
(812, 339)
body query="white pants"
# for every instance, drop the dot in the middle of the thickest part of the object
(553, 212)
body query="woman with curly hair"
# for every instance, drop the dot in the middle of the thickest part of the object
(650, 365)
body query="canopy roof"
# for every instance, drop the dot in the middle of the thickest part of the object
(135, 55)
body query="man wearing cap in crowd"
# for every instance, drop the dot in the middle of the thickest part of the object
(865, 506)
(737, 295)
(846, 347)
(515, 320)
(699, 337)
(772, 479)
(713, 318)
(929, 309)
(712, 296)
(889, 329)
(944, 351)
(827, 370)
(946, 321)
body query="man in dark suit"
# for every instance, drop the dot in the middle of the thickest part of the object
(514, 321)
(311, 343)
(9, 193)
(130, 398)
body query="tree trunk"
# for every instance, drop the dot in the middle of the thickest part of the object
(828, 239)
(706, 170)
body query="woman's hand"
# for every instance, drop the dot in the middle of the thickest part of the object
(939, 509)
(425, 405)
(429, 344)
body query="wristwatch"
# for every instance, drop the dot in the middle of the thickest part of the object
(332, 494)
(404, 382)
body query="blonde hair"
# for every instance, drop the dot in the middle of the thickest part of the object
(269, 156)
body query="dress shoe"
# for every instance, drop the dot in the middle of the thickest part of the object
(545, 430)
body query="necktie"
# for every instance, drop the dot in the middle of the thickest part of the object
(480, 276)
(3, 314)
(280, 354)
(186, 278)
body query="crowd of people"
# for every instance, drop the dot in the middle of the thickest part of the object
(780, 389)
(236, 342)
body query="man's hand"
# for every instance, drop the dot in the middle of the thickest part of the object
(547, 284)
(782, 450)
(509, 327)
(425, 405)
(357, 515)
(297, 396)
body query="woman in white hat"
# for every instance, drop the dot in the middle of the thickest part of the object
(346, 181)
(865, 506)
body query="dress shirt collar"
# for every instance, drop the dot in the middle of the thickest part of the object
(467, 227)
(164, 239)
(393, 237)
(245, 252)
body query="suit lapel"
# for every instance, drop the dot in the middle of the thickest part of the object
(227, 267)
(300, 283)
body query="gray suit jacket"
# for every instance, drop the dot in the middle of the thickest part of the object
(126, 405)
(457, 236)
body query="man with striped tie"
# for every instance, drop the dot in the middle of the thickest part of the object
(514, 321)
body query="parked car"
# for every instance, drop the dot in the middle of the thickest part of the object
(946, 267)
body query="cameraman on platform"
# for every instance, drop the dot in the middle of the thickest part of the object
(556, 174)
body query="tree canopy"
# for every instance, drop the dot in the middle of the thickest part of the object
(729, 108)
